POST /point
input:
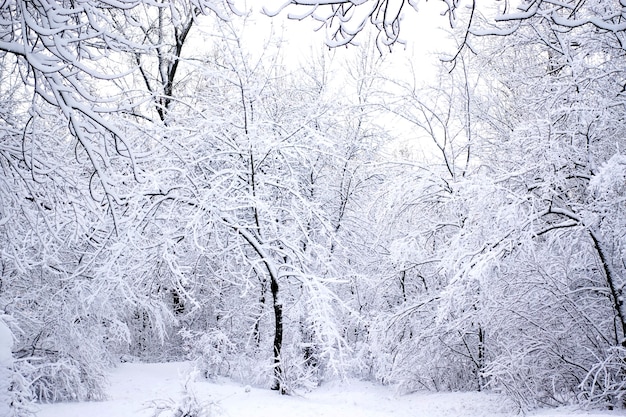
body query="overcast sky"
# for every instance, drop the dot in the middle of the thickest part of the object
(423, 31)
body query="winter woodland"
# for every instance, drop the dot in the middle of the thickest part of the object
(168, 193)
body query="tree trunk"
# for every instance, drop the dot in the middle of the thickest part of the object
(278, 338)
(257, 245)
(616, 292)
(257, 324)
(481, 358)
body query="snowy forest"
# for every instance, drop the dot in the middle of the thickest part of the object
(174, 187)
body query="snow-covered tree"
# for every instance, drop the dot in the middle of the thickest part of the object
(250, 207)
(518, 263)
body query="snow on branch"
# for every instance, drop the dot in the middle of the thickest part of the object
(72, 56)
(565, 15)
(344, 20)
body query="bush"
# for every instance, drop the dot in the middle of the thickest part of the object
(62, 378)
(187, 406)
(605, 384)
(211, 352)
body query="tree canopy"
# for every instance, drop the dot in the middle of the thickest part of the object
(167, 193)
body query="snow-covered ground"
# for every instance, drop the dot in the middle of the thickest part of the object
(136, 390)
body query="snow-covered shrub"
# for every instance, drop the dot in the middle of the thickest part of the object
(605, 384)
(64, 357)
(550, 321)
(20, 397)
(529, 379)
(187, 406)
(15, 398)
(212, 352)
(299, 373)
(152, 333)
(250, 370)
(55, 378)
(419, 359)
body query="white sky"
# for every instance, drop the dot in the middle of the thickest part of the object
(424, 31)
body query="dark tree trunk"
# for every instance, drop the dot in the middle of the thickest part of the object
(257, 324)
(403, 284)
(481, 358)
(616, 291)
(256, 244)
(278, 338)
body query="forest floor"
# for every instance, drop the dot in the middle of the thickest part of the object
(137, 390)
